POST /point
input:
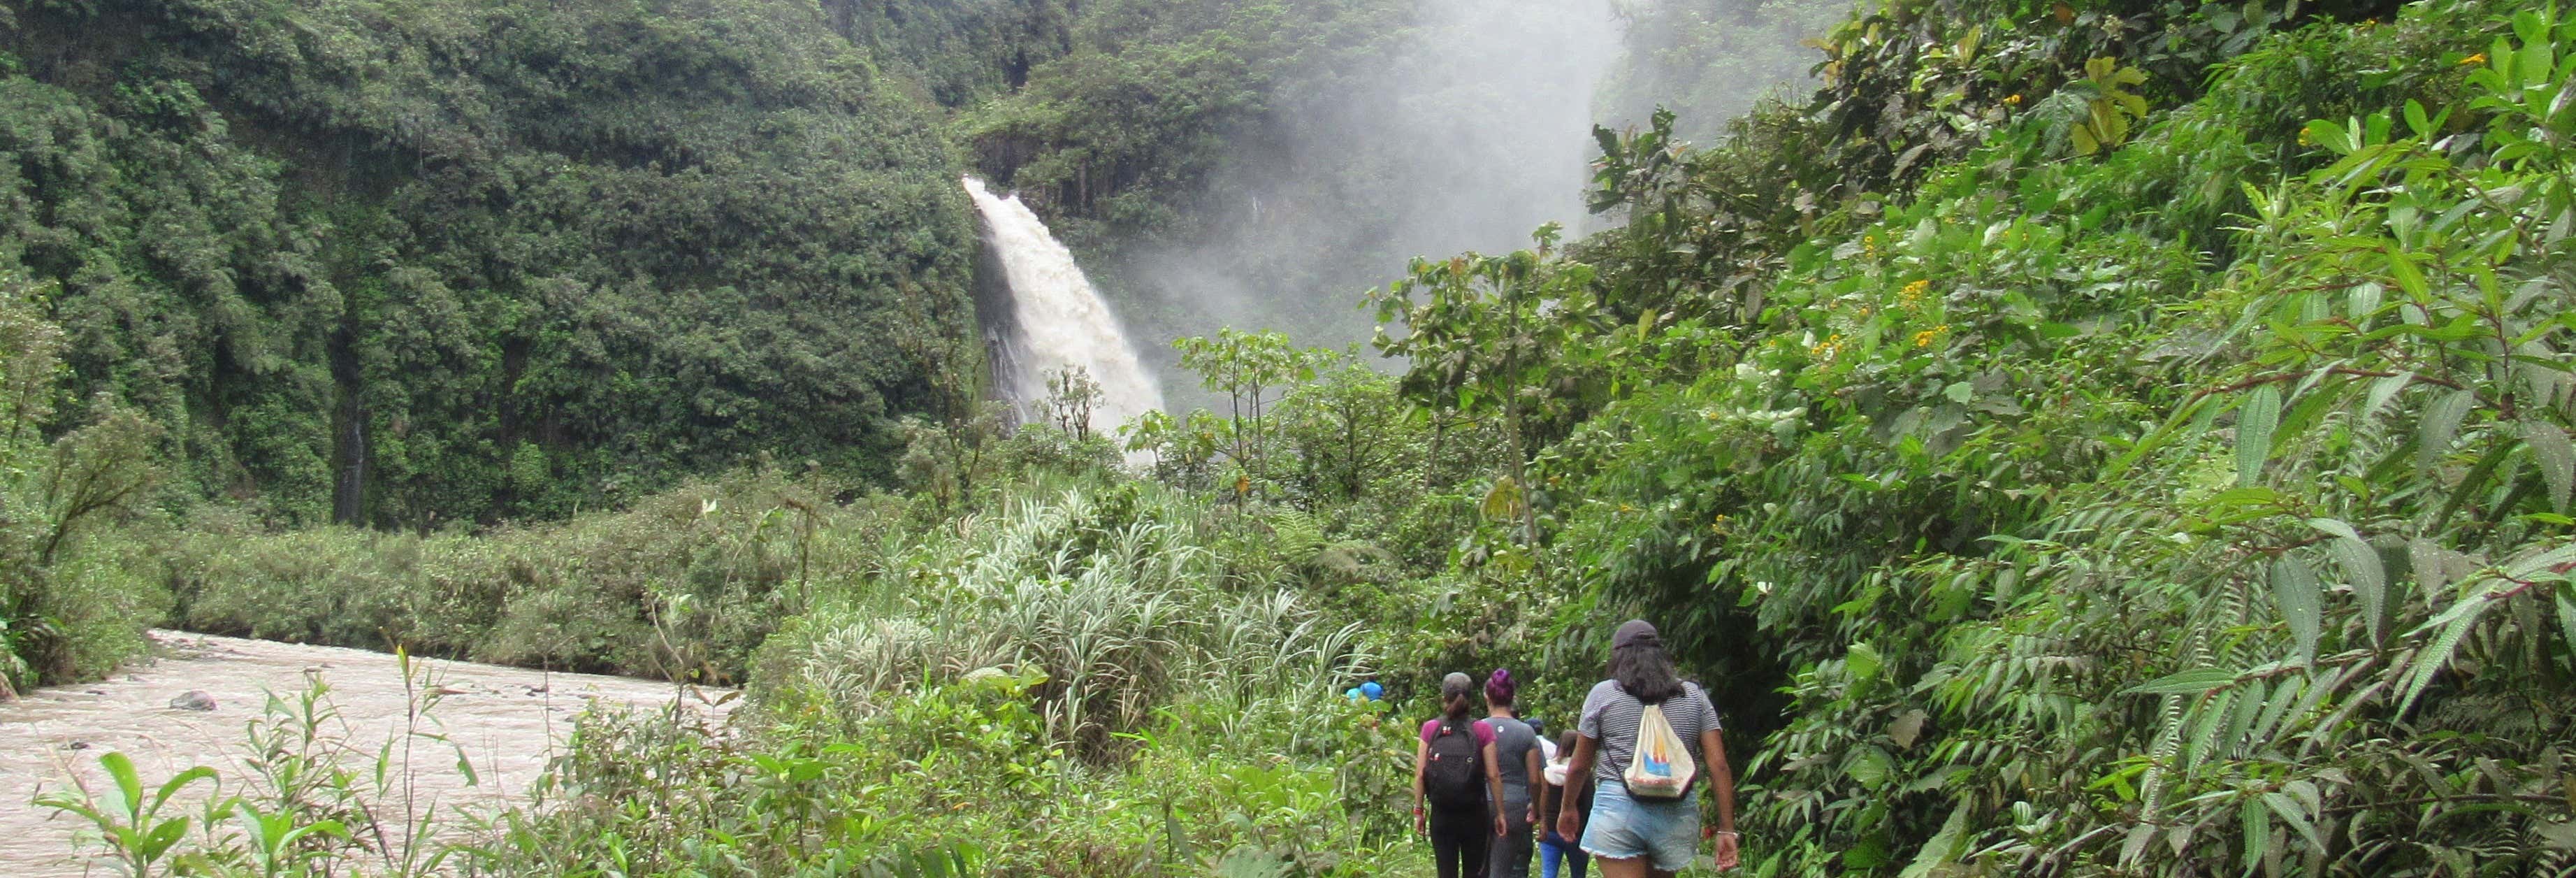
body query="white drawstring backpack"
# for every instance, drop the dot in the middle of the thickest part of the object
(1659, 764)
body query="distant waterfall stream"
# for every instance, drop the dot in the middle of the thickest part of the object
(1055, 320)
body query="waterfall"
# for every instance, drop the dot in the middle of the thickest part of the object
(1054, 320)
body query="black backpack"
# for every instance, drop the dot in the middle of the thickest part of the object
(1455, 777)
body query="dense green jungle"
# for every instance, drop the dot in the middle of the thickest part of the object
(2066, 437)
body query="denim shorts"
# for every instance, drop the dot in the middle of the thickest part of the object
(1624, 828)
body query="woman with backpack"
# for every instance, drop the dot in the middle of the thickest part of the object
(1644, 738)
(1455, 771)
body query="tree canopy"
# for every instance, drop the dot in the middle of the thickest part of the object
(411, 263)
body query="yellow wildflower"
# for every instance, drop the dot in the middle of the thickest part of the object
(1913, 293)
(2479, 58)
(2012, 100)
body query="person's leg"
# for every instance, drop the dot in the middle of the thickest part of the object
(1512, 853)
(1474, 848)
(1575, 861)
(1611, 835)
(1614, 833)
(1622, 867)
(1446, 854)
(1679, 842)
(1444, 844)
(1549, 856)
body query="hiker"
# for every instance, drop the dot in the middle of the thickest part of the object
(1454, 770)
(1523, 772)
(1558, 854)
(1645, 739)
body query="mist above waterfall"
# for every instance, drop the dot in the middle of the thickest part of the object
(1463, 125)
(1473, 131)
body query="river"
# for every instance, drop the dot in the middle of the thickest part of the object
(510, 722)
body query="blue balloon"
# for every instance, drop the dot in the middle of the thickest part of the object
(1372, 690)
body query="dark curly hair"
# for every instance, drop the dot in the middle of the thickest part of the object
(1645, 671)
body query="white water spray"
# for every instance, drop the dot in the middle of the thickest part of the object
(1057, 320)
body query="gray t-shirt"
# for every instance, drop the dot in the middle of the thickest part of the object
(1513, 742)
(1611, 715)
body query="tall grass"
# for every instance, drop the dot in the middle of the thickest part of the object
(1110, 593)
(683, 586)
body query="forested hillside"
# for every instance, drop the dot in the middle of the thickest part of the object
(2076, 438)
(410, 263)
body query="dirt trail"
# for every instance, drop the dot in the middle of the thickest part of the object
(509, 722)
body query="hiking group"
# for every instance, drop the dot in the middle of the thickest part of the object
(1617, 790)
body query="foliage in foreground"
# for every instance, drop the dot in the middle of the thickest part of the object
(2149, 489)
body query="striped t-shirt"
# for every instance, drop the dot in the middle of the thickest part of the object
(1611, 715)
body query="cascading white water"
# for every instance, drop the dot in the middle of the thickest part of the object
(1057, 319)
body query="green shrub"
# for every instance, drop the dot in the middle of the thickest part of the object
(75, 592)
(685, 585)
(1108, 595)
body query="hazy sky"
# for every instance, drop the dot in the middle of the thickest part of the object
(1470, 137)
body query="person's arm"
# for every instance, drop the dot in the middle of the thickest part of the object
(1494, 784)
(1537, 781)
(1421, 763)
(1722, 785)
(1569, 816)
(1543, 804)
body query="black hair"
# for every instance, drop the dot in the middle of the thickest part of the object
(1457, 694)
(1645, 672)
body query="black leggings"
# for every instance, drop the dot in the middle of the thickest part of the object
(1458, 840)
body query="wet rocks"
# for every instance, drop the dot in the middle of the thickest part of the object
(193, 699)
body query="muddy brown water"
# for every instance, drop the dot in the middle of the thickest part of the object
(510, 722)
